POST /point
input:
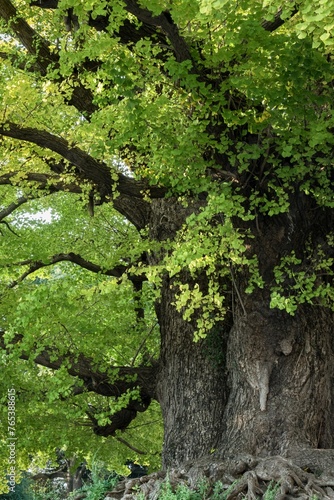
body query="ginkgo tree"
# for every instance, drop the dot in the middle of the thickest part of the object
(101, 323)
(184, 152)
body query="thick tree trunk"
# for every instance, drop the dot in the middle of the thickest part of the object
(274, 393)
(191, 388)
(274, 397)
(281, 371)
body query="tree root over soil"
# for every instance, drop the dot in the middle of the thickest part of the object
(304, 476)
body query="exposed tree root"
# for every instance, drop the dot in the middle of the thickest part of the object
(292, 481)
(243, 478)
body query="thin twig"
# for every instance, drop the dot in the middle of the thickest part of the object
(143, 343)
(237, 291)
(140, 452)
(8, 227)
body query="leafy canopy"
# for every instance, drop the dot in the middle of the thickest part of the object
(219, 104)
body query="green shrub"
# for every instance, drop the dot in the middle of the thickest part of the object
(101, 482)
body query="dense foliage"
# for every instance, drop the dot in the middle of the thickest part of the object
(107, 109)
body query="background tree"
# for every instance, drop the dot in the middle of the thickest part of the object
(200, 137)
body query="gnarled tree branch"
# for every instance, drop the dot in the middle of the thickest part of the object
(118, 381)
(131, 201)
(121, 419)
(136, 210)
(164, 22)
(160, 28)
(87, 167)
(44, 59)
(117, 271)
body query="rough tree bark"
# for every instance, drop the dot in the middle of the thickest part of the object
(191, 388)
(272, 390)
(280, 367)
(280, 374)
(274, 393)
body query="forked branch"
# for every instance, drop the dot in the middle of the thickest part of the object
(44, 59)
(117, 381)
(116, 271)
(87, 168)
(160, 27)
